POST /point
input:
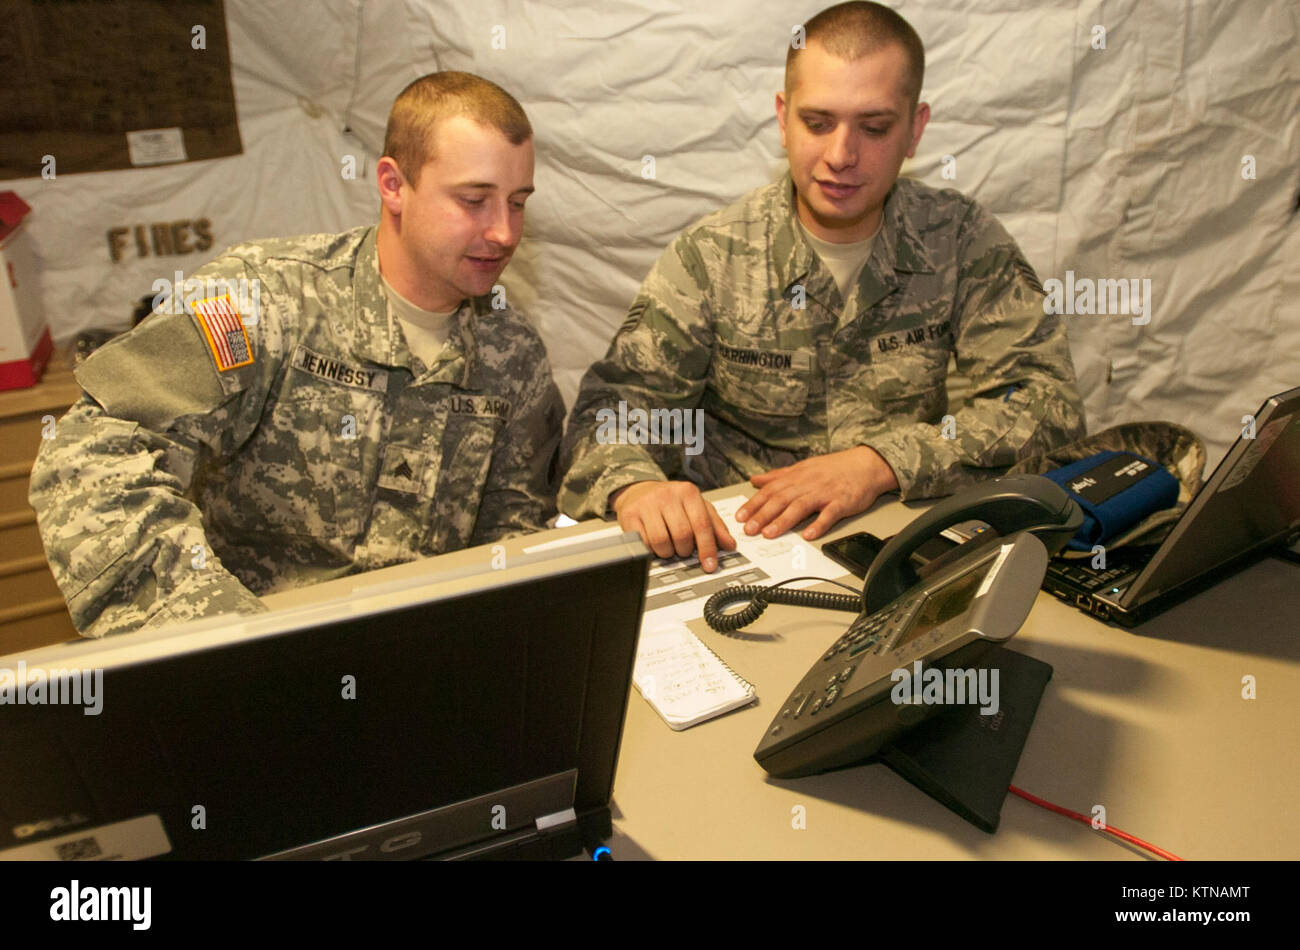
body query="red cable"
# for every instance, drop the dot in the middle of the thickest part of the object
(1088, 821)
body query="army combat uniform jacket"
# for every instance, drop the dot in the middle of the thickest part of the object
(741, 320)
(216, 458)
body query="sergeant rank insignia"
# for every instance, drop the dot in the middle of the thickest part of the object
(402, 469)
(224, 330)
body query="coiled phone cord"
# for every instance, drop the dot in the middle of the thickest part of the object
(759, 597)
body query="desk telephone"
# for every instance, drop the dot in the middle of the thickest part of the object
(961, 604)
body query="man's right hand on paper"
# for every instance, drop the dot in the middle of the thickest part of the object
(673, 518)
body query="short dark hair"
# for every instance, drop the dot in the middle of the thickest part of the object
(408, 139)
(853, 30)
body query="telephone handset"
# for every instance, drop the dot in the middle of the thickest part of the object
(1007, 505)
(971, 598)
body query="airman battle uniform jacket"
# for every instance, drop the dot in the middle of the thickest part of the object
(740, 319)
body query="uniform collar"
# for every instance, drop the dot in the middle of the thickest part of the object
(378, 339)
(898, 248)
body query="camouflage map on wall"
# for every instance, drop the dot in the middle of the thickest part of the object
(92, 85)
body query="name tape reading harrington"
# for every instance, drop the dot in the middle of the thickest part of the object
(766, 359)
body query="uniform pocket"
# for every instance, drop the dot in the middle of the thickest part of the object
(469, 443)
(916, 373)
(105, 542)
(82, 518)
(301, 474)
(760, 391)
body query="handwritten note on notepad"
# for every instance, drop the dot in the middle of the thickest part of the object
(683, 679)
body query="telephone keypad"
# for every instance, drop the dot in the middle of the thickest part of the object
(866, 632)
(864, 646)
(848, 703)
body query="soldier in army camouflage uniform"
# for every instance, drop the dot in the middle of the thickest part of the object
(812, 323)
(217, 455)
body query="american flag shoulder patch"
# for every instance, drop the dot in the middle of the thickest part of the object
(224, 330)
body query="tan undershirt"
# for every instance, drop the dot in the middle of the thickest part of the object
(426, 331)
(844, 261)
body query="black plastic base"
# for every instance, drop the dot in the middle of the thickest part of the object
(964, 759)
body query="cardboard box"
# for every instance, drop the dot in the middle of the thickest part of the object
(25, 343)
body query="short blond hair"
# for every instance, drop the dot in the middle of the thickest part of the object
(851, 31)
(409, 137)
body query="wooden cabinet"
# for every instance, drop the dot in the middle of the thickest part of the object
(32, 611)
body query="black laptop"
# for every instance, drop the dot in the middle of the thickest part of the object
(1250, 505)
(441, 708)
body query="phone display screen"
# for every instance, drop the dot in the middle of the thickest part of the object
(951, 600)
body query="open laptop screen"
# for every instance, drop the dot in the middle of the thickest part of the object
(1252, 500)
(479, 699)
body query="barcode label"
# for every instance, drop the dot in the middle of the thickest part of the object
(130, 840)
(83, 849)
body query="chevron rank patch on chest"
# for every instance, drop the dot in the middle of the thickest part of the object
(223, 328)
(402, 469)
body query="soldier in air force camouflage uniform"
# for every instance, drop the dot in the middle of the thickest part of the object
(367, 406)
(812, 323)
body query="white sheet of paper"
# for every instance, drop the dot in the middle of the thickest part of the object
(778, 559)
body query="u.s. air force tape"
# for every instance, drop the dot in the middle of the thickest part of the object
(796, 360)
(360, 377)
(913, 336)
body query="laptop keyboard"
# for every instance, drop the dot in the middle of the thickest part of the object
(1087, 578)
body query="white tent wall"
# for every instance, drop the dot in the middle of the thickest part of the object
(1132, 160)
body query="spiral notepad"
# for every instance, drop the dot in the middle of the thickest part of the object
(683, 679)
